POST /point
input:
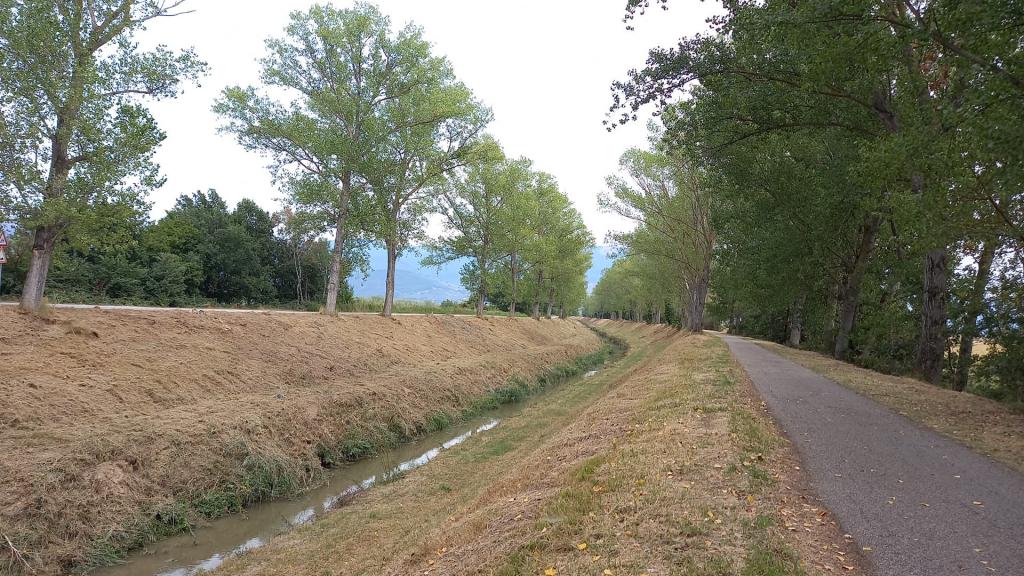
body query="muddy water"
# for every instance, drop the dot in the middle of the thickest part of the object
(208, 547)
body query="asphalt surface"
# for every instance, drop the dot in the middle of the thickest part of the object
(924, 504)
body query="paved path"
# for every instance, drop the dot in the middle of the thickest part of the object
(925, 504)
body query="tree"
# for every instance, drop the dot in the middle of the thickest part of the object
(73, 133)
(338, 70)
(932, 89)
(514, 228)
(426, 132)
(556, 254)
(474, 204)
(668, 200)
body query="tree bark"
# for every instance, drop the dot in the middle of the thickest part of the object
(340, 236)
(850, 293)
(932, 347)
(698, 296)
(389, 283)
(551, 301)
(974, 307)
(536, 298)
(334, 277)
(695, 306)
(512, 304)
(43, 242)
(481, 292)
(297, 261)
(796, 320)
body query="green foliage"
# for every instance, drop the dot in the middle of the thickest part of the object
(862, 163)
(199, 253)
(667, 262)
(363, 125)
(75, 139)
(518, 232)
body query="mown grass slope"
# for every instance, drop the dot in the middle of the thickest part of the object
(118, 427)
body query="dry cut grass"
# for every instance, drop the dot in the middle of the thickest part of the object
(119, 427)
(985, 425)
(662, 464)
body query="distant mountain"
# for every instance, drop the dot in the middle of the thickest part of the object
(412, 281)
(416, 282)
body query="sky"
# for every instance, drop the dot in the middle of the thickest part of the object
(544, 67)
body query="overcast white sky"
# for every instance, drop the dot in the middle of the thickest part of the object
(544, 67)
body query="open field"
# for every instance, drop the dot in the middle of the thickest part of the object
(990, 427)
(662, 463)
(119, 426)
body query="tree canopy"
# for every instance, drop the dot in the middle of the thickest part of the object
(863, 176)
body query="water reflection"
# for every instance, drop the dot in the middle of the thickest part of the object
(208, 547)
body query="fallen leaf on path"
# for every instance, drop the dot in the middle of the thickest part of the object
(551, 572)
(581, 546)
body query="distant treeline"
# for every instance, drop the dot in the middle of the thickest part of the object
(200, 252)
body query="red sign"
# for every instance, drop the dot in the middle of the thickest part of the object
(3, 238)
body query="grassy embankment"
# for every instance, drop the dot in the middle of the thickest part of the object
(122, 427)
(662, 463)
(990, 427)
(267, 477)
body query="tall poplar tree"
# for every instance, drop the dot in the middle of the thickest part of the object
(74, 133)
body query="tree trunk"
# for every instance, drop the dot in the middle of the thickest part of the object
(932, 347)
(974, 307)
(536, 298)
(796, 320)
(297, 260)
(334, 277)
(43, 241)
(481, 292)
(698, 297)
(695, 309)
(850, 293)
(512, 304)
(389, 283)
(551, 300)
(340, 235)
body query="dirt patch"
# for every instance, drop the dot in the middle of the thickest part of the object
(112, 420)
(985, 425)
(662, 464)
